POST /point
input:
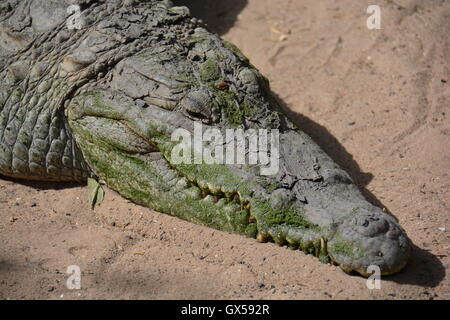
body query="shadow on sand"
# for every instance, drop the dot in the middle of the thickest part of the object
(42, 185)
(219, 16)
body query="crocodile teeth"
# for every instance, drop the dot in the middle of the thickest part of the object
(262, 238)
(222, 202)
(292, 244)
(209, 198)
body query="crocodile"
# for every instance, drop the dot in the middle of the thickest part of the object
(96, 89)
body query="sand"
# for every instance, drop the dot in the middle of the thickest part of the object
(377, 101)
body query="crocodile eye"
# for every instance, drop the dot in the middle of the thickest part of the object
(197, 105)
(251, 80)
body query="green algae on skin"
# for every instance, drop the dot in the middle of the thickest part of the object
(234, 111)
(272, 187)
(209, 71)
(148, 188)
(187, 81)
(346, 248)
(187, 206)
(286, 214)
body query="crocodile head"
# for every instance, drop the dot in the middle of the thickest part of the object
(135, 81)
(126, 128)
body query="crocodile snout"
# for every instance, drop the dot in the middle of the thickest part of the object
(371, 238)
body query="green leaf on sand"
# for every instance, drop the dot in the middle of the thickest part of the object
(95, 192)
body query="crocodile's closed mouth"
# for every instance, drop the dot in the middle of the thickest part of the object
(103, 100)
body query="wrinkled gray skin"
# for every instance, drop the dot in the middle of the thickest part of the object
(102, 102)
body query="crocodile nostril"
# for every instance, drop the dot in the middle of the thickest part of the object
(371, 226)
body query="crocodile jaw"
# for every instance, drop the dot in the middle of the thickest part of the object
(129, 147)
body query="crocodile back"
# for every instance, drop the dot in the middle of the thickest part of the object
(35, 141)
(46, 58)
(49, 53)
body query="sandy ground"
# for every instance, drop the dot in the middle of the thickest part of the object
(376, 100)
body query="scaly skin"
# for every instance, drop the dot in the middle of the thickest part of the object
(103, 102)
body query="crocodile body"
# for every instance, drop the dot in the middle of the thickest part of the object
(102, 100)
